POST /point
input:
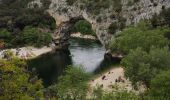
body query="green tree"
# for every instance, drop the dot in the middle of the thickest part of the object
(20, 16)
(84, 27)
(139, 36)
(16, 82)
(141, 66)
(160, 86)
(33, 36)
(5, 34)
(166, 16)
(73, 84)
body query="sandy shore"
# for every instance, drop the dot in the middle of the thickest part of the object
(27, 52)
(79, 35)
(113, 79)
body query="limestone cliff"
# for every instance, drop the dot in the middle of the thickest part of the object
(143, 9)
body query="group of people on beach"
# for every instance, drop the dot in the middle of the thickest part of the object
(119, 79)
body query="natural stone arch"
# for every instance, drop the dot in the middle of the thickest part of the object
(63, 31)
(64, 13)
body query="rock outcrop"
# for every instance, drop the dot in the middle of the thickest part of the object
(143, 9)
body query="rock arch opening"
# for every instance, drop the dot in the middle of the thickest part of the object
(64, 30)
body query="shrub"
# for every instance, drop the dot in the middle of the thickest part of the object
(141, 66)
(83, 27)
(113, 28)
(32, 36)
(16, 81)
(160, 86)
(139, 36)
(73, 84)
(5, 34)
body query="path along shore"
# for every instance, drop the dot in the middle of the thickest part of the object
(27, 52)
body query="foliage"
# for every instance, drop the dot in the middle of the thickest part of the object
(160, 86)
(15, 81)
(4, 33)
(32, 36)
(20, 15)
(141, 66)
(139, 36)
(99, 94)
(162, 19)
(84, 27)
(113, 28)
(166, 16)
(73, 84)
(5, 37)
(166, 31)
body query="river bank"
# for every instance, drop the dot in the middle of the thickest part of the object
(27, 52)
(112, 79)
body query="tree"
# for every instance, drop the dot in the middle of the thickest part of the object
(21, 16)
(141, 66)
(73, 84)
(160, 86)
(33, 36)
(166, 16)
(5, 34)
(139, 36)
(16, 82)
(84, 27)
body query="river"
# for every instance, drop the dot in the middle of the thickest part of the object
(86, 53)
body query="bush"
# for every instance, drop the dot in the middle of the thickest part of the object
(139, 36)
(162, 19)
(5, 34)
(73, 84)
(166, 16)
(16, 81)
(141, 66)
(113, 28)
(83, 27)
(160, 86)
(32, 36)
(20, 15)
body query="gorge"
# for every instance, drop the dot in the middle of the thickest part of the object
(85, 49)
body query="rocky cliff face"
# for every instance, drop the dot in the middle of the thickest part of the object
(144, 9)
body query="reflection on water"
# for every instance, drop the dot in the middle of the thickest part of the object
(51, 65)
(88, 53)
